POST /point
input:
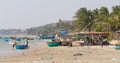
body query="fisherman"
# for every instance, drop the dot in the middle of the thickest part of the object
(14, 43)
(26, 43)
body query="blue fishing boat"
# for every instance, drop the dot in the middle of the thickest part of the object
(46, 36)
(6, 39)
(18, 39)
(51, 37)
(20, 46)
(63, 32)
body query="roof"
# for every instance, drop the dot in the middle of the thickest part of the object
(89, 33)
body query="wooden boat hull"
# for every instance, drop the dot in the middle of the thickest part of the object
(52, 44)
(20, 46)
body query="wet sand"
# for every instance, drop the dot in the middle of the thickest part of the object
(65, 54)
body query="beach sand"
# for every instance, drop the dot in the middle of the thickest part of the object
(65, 54)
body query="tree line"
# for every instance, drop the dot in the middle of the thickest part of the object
(51, 28)
(100, 20)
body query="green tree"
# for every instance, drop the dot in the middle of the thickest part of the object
(101, 19)
(114, 19)
(83, 20)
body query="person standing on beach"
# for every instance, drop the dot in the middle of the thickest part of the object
(26, 43)
(14, 43)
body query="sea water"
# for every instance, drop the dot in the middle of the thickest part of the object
(7, 49)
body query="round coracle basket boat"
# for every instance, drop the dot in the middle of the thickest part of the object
(52, 44)
(117, 47)
(20, 46)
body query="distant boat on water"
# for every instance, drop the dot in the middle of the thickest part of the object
(6, 39)
(63, 32)
(47, 36)
(18, 39)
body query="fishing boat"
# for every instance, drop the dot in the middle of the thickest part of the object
(18, 39)
(6, 39)
(117, 47)
(63, 32)
(52, 44)
(46, 36)
(20, 46)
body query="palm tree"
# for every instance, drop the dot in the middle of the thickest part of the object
(83, 20)
(101, 19)
(114, 19)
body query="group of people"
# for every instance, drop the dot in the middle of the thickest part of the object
(64, 41)
(15, 43)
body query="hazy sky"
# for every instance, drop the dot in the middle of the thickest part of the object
(24, 14)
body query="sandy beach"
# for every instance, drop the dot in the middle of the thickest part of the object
(65, 54)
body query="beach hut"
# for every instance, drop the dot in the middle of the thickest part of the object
(91, 38)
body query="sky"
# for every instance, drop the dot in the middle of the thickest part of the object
(23, 14)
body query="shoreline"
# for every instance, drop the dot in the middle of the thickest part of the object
(7, 49)
(60, 54)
